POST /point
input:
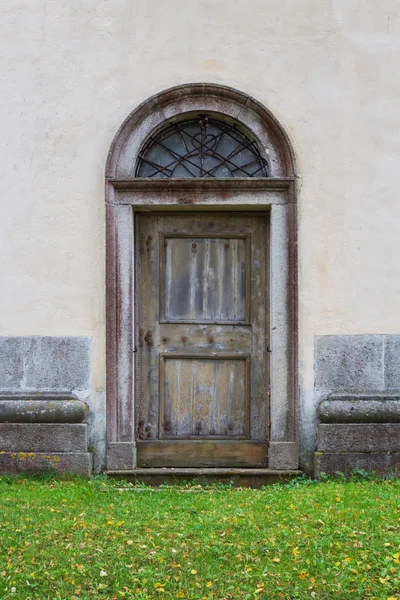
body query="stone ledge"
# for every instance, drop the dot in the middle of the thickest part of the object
(79, 463)
(346, 462)
(41, 408)
(359, 437)
(360, 408)
(43, 437)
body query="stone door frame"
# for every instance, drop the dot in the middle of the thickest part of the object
(127, 195)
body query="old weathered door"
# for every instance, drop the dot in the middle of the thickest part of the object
(202, 380)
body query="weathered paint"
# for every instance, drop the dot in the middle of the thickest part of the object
(205, 278)
(205, 397)
(201, 325)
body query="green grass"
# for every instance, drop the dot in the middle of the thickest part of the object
(85, 539)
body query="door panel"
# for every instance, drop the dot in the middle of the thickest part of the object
(214, 270)
(203, 396)
(202, 372)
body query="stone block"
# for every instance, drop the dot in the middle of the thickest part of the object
(381, 407)
(121, 456)
(41, 408)
(346, 462)
(79, 463)
(57, 363)
(11, 362)
(359, 437)
(392, 362)
(43, 437)
(283, 456)
(349, 363)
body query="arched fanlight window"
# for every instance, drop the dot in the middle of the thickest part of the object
(201, 147)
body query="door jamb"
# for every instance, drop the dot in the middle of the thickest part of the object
(124, 198)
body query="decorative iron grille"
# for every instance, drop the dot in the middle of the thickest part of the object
(202, 147)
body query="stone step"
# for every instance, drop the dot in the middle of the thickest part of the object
(254, 478)
(43, 437)
(79, 463)
(359, 437)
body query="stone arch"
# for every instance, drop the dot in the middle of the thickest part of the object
(189, 98)
(126, 194)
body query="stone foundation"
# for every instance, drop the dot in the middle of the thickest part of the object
(43, 432)
(43, 384)
(357, 383)
(358, 432)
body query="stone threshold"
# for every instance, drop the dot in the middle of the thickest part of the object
(244, 477)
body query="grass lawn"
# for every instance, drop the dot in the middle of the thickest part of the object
(85, 539)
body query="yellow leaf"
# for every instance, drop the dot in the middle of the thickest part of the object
(158, 585)
(292, 506)
(129, 542)
(338, 499)
(193, 572)
(387, 544)
(248, 569)
(180, 595)
(209, 584)
(276, 559)
(303, 574)
(382, 581)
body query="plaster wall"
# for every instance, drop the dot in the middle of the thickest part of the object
(71, 73)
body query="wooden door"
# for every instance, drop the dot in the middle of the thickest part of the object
(202, 376)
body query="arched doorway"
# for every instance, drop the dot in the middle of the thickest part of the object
(201, 285)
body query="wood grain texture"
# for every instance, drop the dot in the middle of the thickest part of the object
(204, 396)
(205, 278)
(207, 453)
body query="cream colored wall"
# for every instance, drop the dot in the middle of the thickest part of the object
(72, 71)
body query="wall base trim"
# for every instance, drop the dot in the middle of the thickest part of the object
(79, 463)
(346, 462)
